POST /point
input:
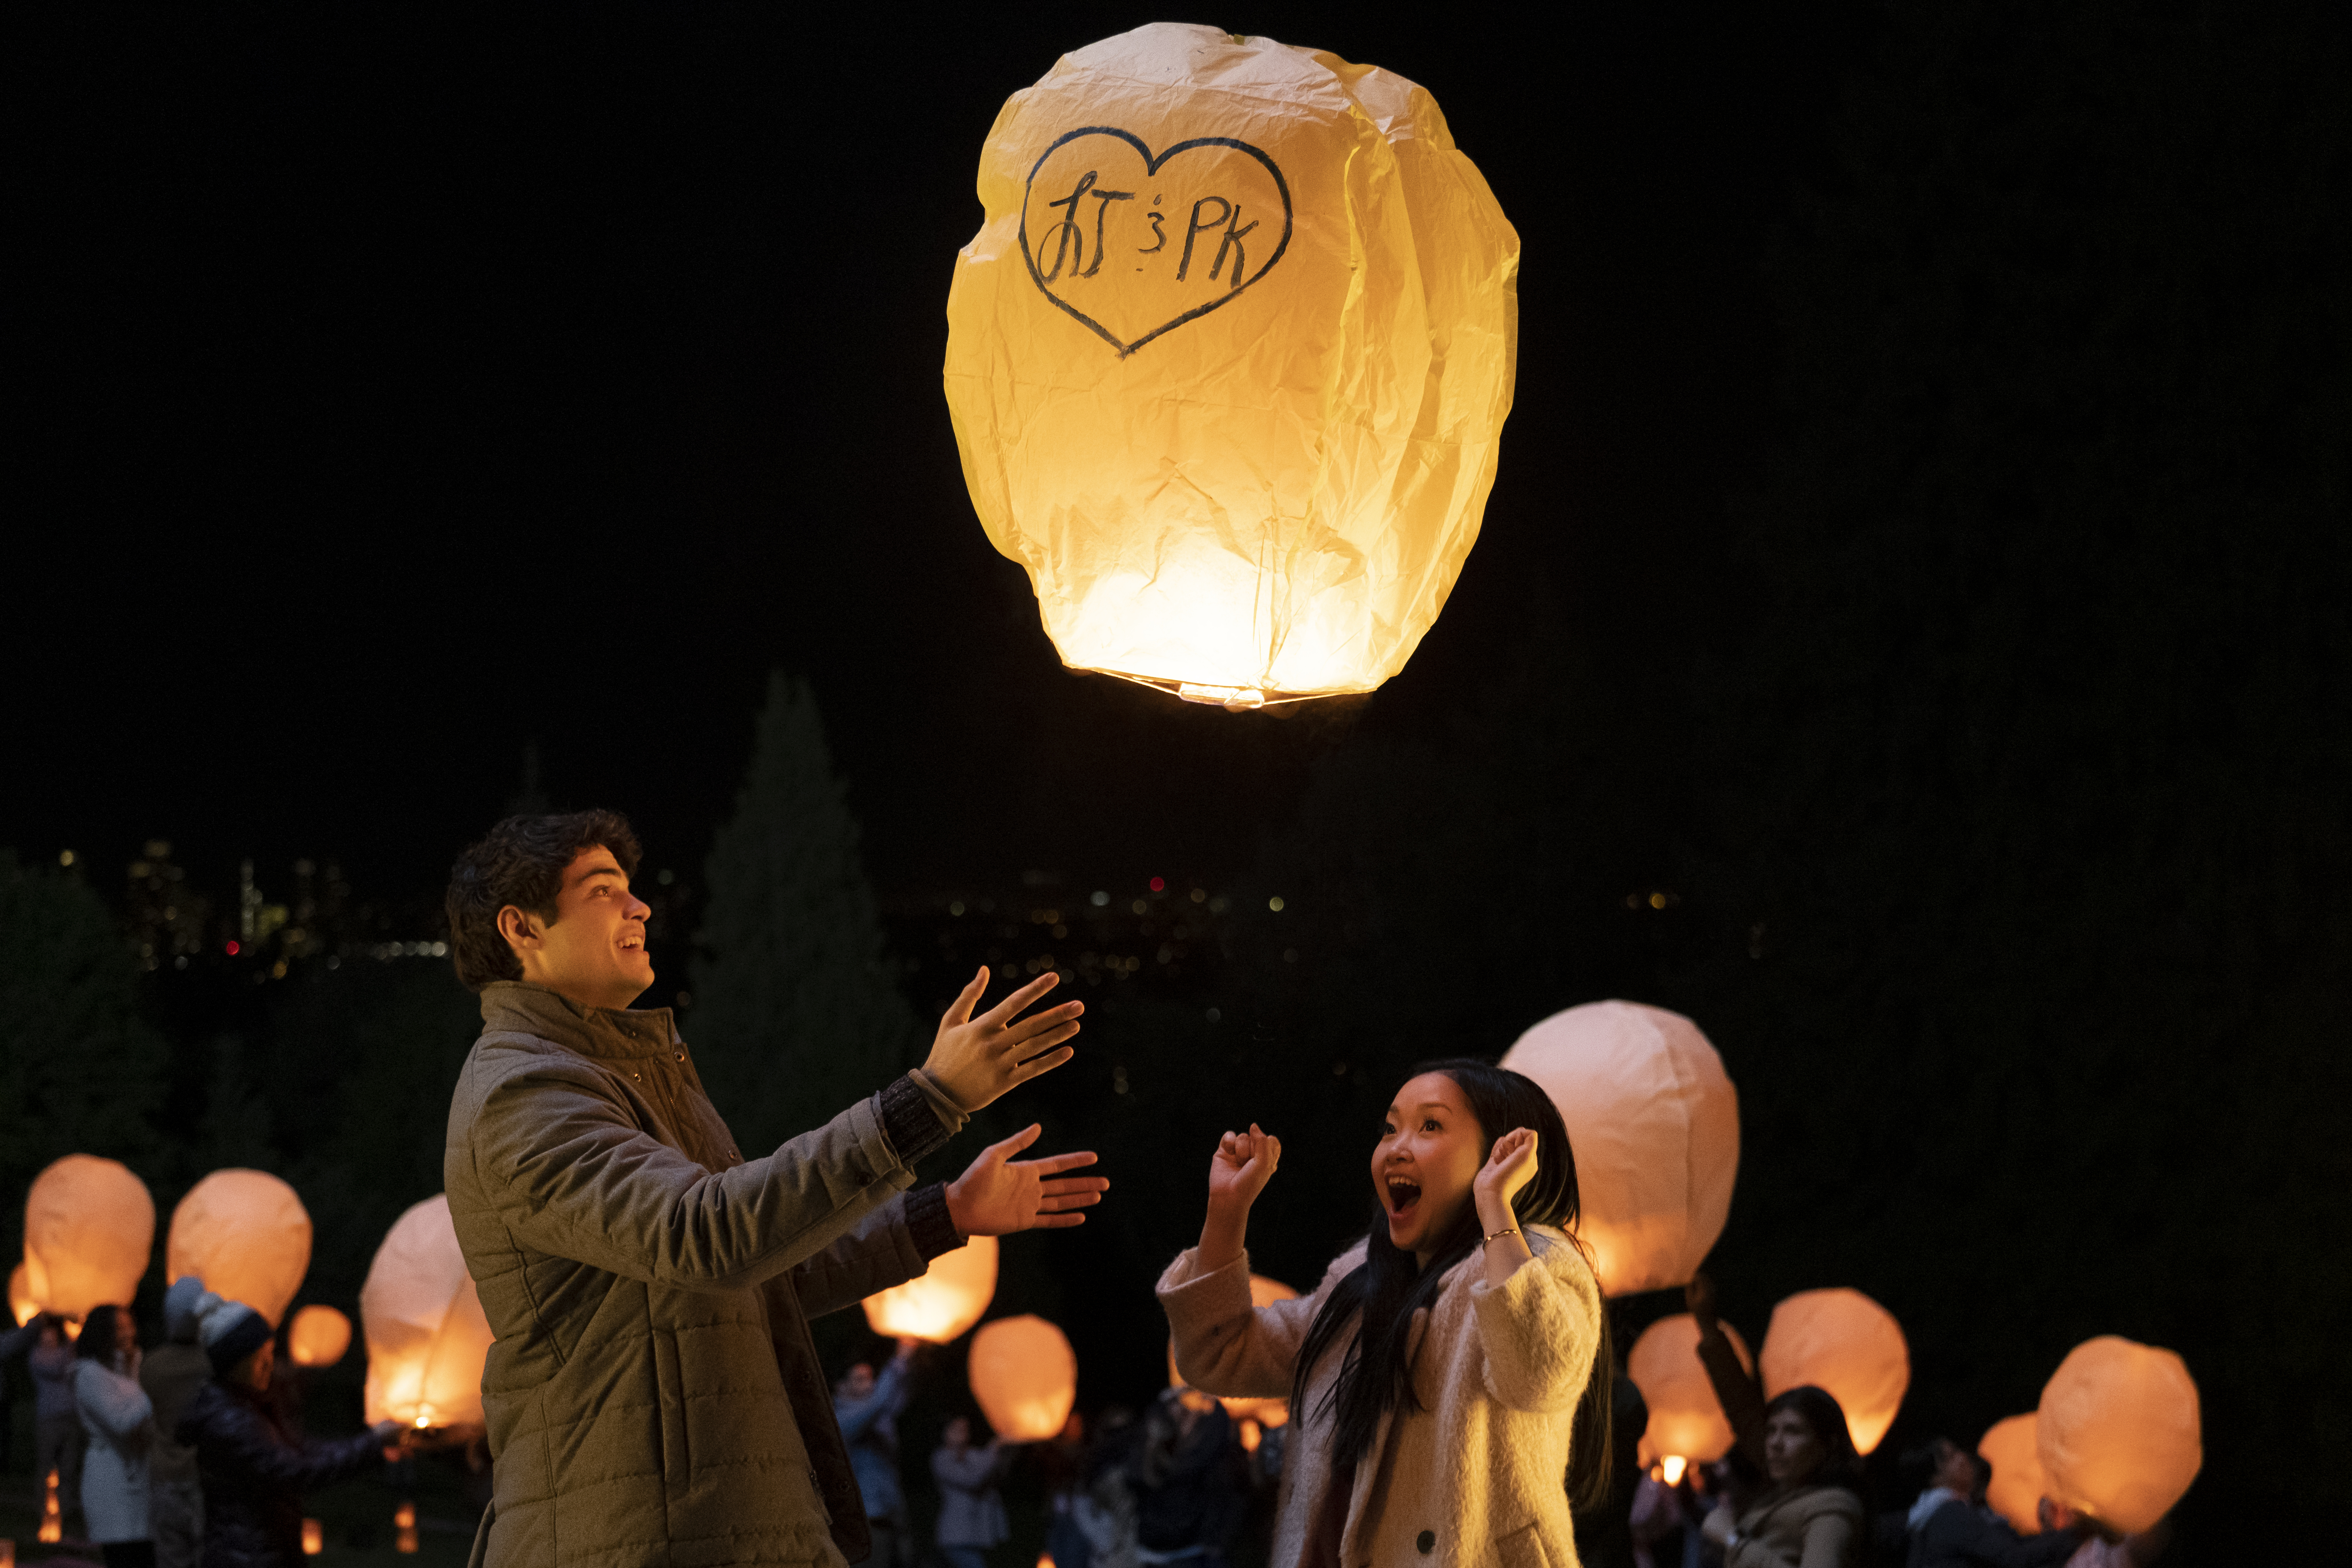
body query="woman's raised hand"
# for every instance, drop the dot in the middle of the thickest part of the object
(1238, 1172)
(1509, 1166)
(1241, 1167)
(975, 1060)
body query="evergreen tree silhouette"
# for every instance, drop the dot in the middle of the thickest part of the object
(796, 1013)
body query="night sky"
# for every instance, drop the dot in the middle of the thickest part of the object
(399, 396)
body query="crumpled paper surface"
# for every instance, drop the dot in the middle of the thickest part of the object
(1229, 359)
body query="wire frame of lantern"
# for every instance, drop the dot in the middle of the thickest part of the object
(247, 1235)
(1228, 362)
(942, 1302)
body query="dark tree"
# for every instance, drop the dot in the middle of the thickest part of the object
(796, 1013)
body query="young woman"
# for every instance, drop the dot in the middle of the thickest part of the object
(1811, 1517)
(1452, 1367)
(120, 1425)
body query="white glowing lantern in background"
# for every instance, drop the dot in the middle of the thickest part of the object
(2018, 1486)
(1267, 1412)
(1229, 359)
(247, 1235)
(943, 1301)
(2120, 1432)
(1688, 1426)
(1026, 1377)
(89, 1229)
(1843, 1341)
(426, 1336)
(1655, 1123)
(318, 1336)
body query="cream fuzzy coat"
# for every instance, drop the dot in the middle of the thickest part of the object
(1475, 1478)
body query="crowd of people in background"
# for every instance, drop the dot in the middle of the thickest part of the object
(192, 1454)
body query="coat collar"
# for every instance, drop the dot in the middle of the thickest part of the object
(613, 1034)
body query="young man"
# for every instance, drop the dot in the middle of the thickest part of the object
(653, 1395)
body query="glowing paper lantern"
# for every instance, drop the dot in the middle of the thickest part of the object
(426, 1336)
(21, 1302)
(1270, 1412)
(1686, 1421)
(1655, 1123)
(1026, 1377)
(247, 1235)
(318, 1336)
(2018, 1486)
(944, 1301)
(1843, 1341)
(89, 1229)
(2120, 1434)
(1228, 361)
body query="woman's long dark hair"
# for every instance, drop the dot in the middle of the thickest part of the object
(1375, 1377)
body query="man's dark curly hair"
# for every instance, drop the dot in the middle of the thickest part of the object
(521, 862)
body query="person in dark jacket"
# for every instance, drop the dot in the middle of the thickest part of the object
(173, 1374)
(253, 1472)
(1949, 1527)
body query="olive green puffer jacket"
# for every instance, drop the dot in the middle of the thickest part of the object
(653, 1397)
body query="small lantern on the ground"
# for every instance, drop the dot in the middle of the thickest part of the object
(1843, 1341)
(1686, 1421)
(943, 1301)
(1026, 1377)
(1229, 359)
(247, 1235)
(89, 1229)
(314, 1537)
(426, 1336)
(1254, 1415)
(52, 1528)
(403, 1528)
(318, 1336)
(2018, 1485)
(2120, 1434)
(1655, 1123)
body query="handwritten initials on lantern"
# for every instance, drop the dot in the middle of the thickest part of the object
(1108, 266)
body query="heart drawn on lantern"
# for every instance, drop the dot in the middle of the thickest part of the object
(1133, 244)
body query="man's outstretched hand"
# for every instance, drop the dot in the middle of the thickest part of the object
(999, 1194)
(977, 1060)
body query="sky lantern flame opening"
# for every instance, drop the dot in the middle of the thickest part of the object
(1655, 1123)
(427, 1334)
(1686, 1421)
(1841, 1341)
(1228, 362)
(1025, 1376)
(2010, 1448)
(22, 1303)
(1253, 1413)
(247, 1235)
(2119, 1432)
(944, 1301)
(89, 1230)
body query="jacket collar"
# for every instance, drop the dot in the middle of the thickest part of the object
(613, 1034)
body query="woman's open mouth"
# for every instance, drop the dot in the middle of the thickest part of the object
(1402, 1193)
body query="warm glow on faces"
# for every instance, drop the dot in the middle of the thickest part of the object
(260, 1363)
(1791, 1452)
(1430, 1151)
(593, 951)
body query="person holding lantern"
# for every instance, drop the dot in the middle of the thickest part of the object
(1452, 1367)
(1811, 1515)
(120, 1422)
(652, 1393)
(252, 1470)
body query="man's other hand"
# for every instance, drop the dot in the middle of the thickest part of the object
(999, 1194)
(975, 1060)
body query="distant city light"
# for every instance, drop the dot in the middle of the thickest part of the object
(666, 877)
(64, 857)
(1097, 898)
(232, 948)
(1139, 907)
(1200, 895)
(1158, 885)
(1274, 903)
(956, 906)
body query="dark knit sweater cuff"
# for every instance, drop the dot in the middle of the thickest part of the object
(928, 1222)
(908, 1120)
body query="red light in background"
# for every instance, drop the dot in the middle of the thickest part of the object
(232, 950)
(1158, 885)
